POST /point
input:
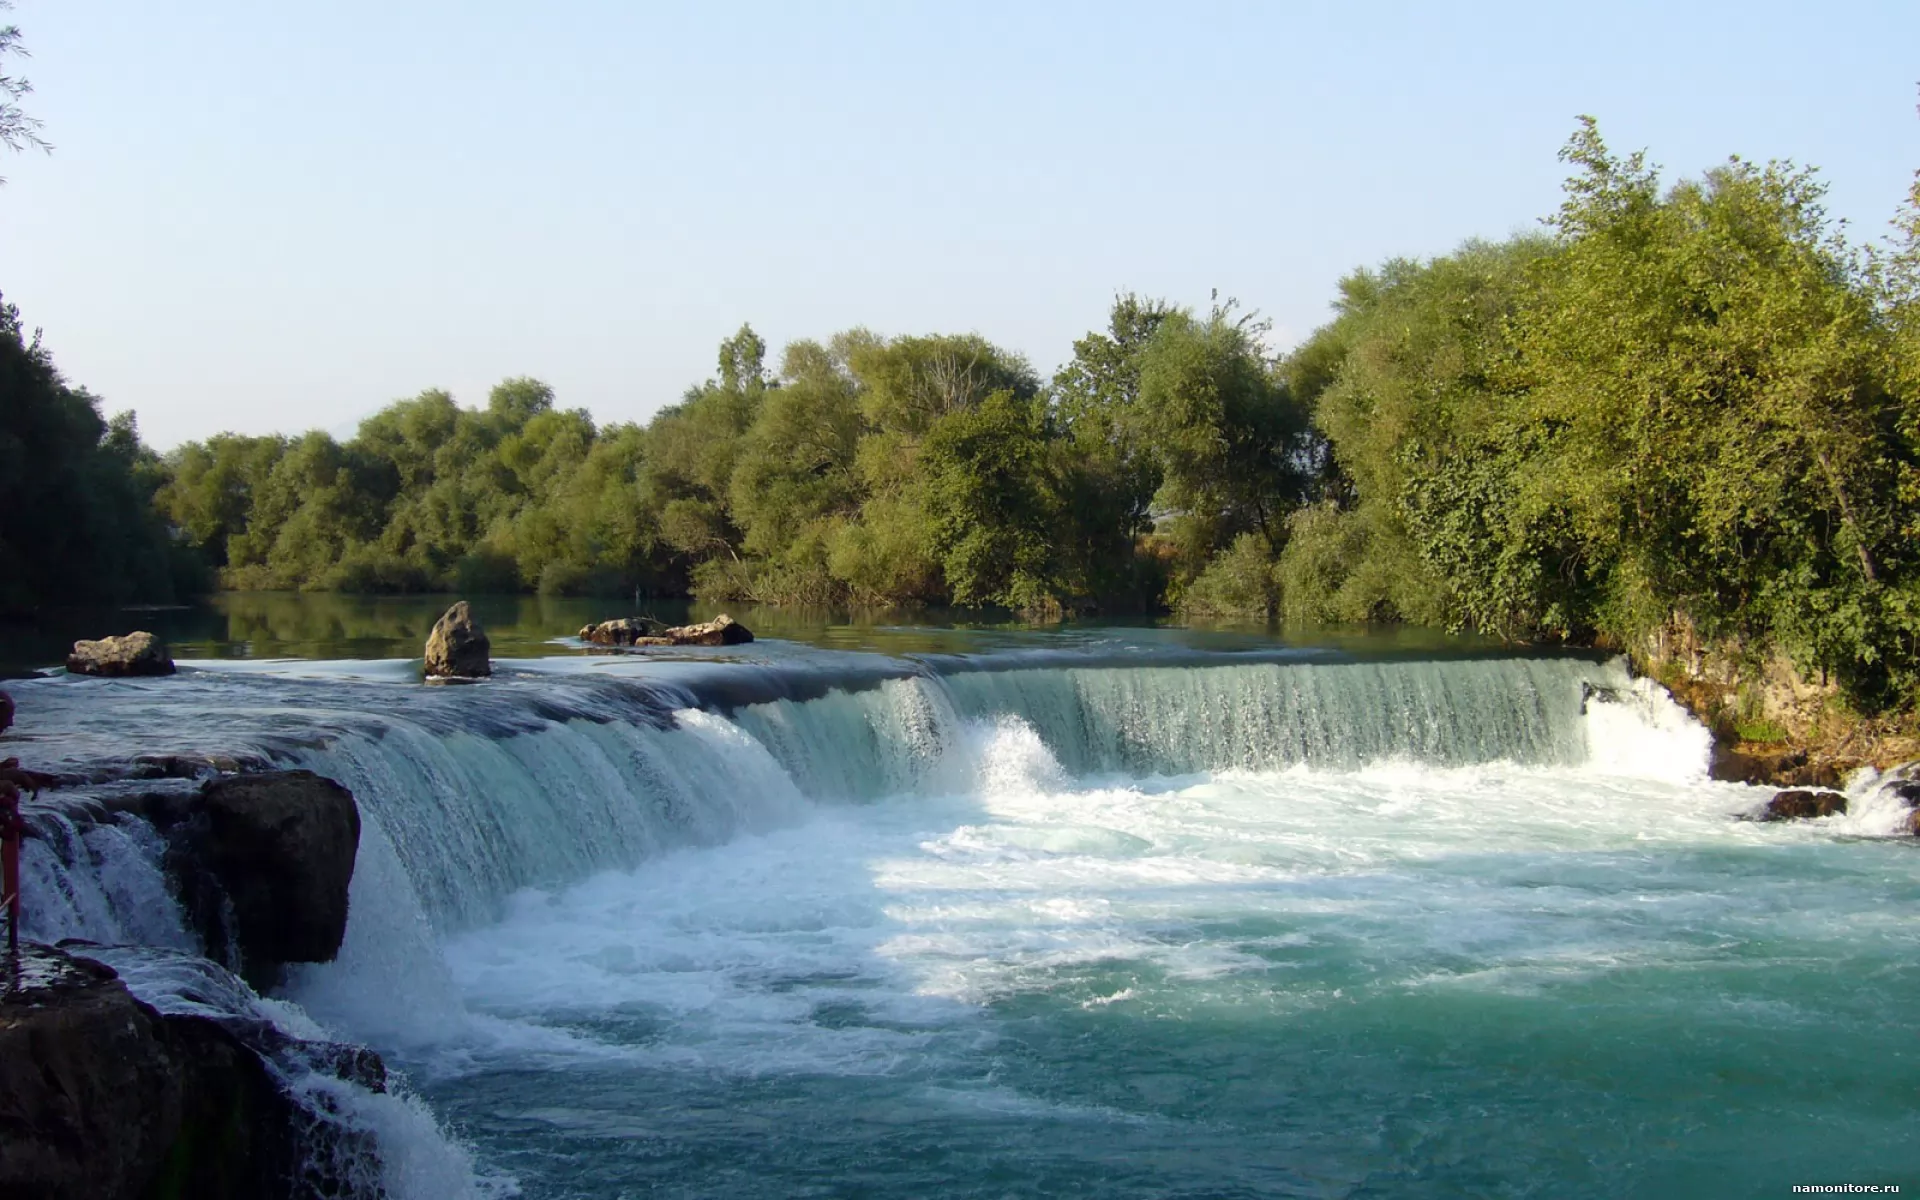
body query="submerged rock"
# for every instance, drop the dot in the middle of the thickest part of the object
(1804, 804)
(137, 653)
(1902, 783)
(279, 846)
(458, 648)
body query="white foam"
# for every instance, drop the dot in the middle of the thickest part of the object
(1639, 730)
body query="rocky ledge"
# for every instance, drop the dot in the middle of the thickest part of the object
(102, 1096)
(262, 860)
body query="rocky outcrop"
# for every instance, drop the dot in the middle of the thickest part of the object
(1803, 804)
(723, 630)
(102, 1096)
(458, 648)
(1779, 766)
(6, 712)
(1771, 725)
(137, 653)
(264, 863)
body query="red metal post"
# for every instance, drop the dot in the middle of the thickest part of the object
(11, 827)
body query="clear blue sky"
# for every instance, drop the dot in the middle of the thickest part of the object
(276, 217)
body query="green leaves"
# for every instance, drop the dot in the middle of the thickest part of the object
(1684, 402)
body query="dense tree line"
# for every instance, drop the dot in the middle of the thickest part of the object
(77, 518)
(863, 470)
(1694, 404)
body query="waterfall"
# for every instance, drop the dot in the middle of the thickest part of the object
(539, 781)
(469, 795)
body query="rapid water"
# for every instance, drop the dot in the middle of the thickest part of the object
(1033, 923)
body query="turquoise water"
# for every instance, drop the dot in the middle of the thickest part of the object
(1122, 914)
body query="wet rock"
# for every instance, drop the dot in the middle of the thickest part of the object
(279, 846)
(6, 712)
(458, 648)
(343, 1060)
(1904, 787)
(1803, 804)
(625, 631)
(723, 630)
(1906, 791)
(137, 653)
(26, 780)
(102, 1096)
(1783, 767)
(1754, 765)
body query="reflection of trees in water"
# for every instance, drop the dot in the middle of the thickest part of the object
(388, 626)
(336, 625)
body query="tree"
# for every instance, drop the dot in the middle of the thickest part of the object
(77, 519)
(992, 517)
(1233, 446)
(18, 131)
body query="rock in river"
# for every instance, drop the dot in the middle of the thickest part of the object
(138, 653)
(723, 630)
(1802, 804)
(281, 846)
(625, 631)
(458, 648)
(102, 1096)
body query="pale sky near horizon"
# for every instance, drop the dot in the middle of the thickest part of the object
(255, 221)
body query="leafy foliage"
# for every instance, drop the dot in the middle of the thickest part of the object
(1692, 404)
(1684, 405)
(77, 522)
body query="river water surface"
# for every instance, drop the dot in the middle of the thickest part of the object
(879, 910)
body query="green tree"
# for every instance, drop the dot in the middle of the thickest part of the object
(991, 514)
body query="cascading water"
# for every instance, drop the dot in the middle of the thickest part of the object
(627, 922)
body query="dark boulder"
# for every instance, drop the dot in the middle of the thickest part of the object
(90, 1102)
(280, 847)
(458, 648)
(137, 653)
(1906, 791)
(6, 712)
(102, 1096)
(1804, 804)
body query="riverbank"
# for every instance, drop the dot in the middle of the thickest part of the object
(1772, 725)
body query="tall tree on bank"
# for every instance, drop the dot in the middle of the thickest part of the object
(77, 520)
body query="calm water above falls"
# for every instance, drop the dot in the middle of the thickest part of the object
(1123, 914)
